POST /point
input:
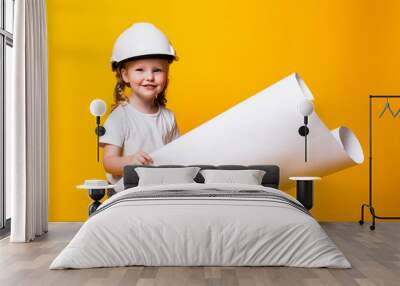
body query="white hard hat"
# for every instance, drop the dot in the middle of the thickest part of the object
(141, 40)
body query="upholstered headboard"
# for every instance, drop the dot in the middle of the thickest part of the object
(270, 179)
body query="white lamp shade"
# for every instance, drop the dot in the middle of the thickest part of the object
(98, 107)
(306, 107)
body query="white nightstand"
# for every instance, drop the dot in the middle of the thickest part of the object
(305, 190)
(96, 193)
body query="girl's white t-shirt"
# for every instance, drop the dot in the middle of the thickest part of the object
(134, 131)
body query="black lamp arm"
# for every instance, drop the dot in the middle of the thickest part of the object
(100, 131)
(303, 131)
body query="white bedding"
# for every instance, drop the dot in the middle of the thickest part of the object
(184, 231)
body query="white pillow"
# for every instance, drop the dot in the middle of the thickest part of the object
(160, 176)
(249, 177)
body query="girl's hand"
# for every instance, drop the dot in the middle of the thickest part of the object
(141, 158)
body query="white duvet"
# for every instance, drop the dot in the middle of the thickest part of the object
(200, 231)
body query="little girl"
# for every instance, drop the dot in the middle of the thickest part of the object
(139, 123)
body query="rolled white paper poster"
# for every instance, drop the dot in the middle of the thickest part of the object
(263, 129)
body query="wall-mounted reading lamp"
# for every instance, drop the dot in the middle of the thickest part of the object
(306, 108)
(98, 108)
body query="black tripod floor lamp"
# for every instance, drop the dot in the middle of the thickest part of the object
(386, 109)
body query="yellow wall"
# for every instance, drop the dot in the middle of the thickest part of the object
(229, 50)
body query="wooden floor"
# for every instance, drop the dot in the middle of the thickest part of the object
(375, 257)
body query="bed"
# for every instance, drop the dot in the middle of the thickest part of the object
(201, 224)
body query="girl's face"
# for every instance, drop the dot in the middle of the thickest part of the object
(146, 77)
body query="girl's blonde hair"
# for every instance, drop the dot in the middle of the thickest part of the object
(119, 90)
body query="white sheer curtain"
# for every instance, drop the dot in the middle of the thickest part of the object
(26, 124)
